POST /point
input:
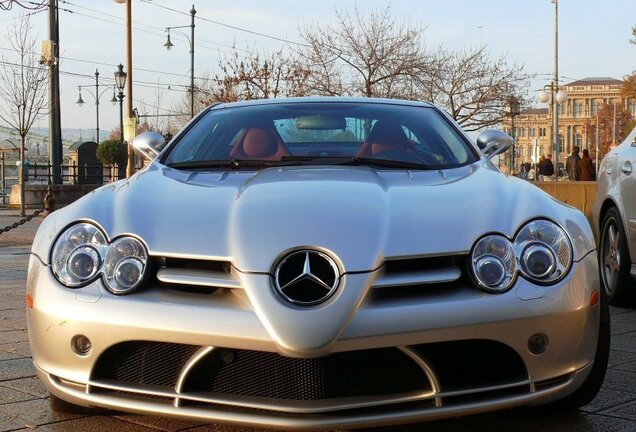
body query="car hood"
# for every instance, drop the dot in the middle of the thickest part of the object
(358, 214)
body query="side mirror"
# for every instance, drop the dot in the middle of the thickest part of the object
(149, 144)
(493, 142)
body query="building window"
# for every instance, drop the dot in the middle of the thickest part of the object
(560, 109)
(560, 143)
(595, 107)
(632, 108)
(578, 110)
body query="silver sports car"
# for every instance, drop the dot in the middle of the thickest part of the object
(615, 222)
(317, 263)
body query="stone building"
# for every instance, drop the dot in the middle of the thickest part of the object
(533, 127)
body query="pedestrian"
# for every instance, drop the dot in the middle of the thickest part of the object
(532, 173)
(586, 167)
(540, 168)
(548, 168)
(523, 173)
(572, 165)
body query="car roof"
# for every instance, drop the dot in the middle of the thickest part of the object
(322, 99)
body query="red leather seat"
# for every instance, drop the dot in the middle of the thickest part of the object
(258, 143)
(385, 136)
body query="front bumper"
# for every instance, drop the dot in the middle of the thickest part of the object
(227, 319)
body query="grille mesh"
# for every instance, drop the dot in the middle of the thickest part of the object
(150, 363)
(270, 375)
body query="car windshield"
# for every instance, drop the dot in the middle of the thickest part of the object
(378, 134)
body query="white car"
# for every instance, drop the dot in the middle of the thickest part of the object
(615, 222)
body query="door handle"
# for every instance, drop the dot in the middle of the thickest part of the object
(627, 168)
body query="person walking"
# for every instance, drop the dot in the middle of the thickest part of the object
(548, 168)
(540, 168)
(586, 167)
(572, 165)
(532, 173)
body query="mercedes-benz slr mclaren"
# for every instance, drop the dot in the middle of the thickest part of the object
(317, 263)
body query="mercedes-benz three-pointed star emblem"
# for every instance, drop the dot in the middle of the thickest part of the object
(306, 277)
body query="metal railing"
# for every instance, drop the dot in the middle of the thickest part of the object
(41, 173)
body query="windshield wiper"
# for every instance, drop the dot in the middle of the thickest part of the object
(230, 163)
(354, 161)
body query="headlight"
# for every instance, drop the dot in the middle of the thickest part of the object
(82, 253)
(125, 265)
(76, 258)
(541, 252)
(493, 262)
(544, 250)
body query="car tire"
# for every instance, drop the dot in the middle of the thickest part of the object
(614, 261)
(592, 384)
(61, 406)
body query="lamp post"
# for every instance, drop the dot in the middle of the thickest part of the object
(190, 38)
(513, 109)
(96, 96)
(553, 95)
(120, 82)
(130, 167)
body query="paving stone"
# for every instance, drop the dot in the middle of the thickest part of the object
(8, 395)
(31, 385)
(29, 414)
(616, 357)
(608, 398)
(624, 411)
(625, 342)
(18, 348)
(620, 380)
(160, 423)
(590, 423)
(13, 336)
(623, 327)
(16, 368)
(93, 424)
(5, 355)
(627, 316)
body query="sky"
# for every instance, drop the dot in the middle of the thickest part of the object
(593, 40)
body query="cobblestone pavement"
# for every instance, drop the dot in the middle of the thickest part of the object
(24, 404)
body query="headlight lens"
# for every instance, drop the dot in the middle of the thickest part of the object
(125, 265)
(82, 253)
(493, 261)
(545, 251)
(76, 257)
(541, 252)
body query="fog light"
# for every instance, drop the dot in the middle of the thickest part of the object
(81, 345)
(538, 343)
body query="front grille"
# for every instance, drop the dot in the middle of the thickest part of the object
(466, 371)
(270, 375)
(467, 364)
(403, 265)
(145, 363)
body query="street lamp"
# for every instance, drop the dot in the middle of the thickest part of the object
(513, 109)
(190, 38)
(96, 96)
(120, 82)
(551, 94)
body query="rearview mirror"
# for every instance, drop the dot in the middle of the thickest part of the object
(149, 144)
(321, 122)
(493, 142)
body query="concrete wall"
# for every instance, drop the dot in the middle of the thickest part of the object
(577, 194)
(34, 194)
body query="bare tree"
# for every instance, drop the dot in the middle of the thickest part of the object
(152, 114)
(254, 75)
(473, 86)
(23, 87)
(362, 54)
